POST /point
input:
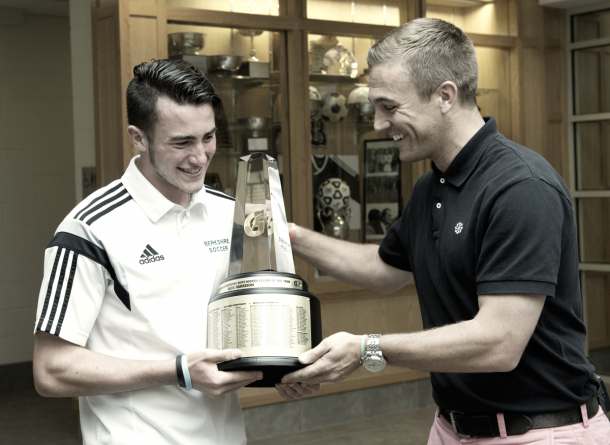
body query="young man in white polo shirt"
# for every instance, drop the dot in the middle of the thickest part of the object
(128, 277)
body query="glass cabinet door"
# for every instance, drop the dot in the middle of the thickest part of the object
(244, 69)
(356, 175)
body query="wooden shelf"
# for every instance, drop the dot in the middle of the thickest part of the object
(458, 3)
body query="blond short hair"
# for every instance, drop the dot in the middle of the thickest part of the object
(432, 51)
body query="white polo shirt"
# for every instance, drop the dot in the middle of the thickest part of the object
(129, 274)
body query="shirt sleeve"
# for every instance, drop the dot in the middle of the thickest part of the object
(394, 246)
(521, 250)
(71, 293)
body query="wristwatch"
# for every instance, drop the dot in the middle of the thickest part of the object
(372, 359)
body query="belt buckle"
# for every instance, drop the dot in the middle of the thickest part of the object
(455, 430)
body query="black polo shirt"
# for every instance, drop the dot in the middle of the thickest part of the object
(498, 221)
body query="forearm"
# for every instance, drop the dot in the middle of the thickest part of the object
(493, 341)
(68, 370)
(356, 264)
(462, 347)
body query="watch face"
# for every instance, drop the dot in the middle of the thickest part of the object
(374, 364)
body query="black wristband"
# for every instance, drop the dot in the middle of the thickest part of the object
(179, 373)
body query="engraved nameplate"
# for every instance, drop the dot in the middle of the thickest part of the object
(265, 325)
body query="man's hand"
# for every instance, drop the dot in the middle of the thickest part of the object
(208, 379)
(293, 391)
(335, 358)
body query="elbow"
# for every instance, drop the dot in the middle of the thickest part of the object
(46, 385)
(505, 359)
(43, 386)
(507, 364)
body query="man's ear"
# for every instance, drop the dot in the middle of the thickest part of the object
(448, 96)
(138, 138)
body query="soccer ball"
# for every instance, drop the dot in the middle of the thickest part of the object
(333, 107)
(333, 193)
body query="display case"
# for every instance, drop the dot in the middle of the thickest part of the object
(308, 107)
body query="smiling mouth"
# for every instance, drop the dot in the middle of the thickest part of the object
(190, 171)
(398, 137)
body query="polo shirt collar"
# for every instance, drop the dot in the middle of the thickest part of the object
(466, 160)
(151, 200)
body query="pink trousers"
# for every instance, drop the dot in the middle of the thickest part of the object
(593, 431)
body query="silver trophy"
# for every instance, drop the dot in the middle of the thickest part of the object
(262, 308)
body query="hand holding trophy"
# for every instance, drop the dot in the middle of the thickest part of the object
(262, 308)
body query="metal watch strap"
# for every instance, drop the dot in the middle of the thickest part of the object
(372, 345)
(373, 360)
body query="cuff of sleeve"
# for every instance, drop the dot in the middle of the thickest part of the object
(516, 287)
(77, 338)
(390, 260)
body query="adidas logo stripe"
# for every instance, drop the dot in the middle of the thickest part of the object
(150, 255)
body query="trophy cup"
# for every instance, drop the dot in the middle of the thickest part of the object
(253, 67)
(262, 308)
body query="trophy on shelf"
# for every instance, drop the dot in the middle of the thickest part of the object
(262, 308)
(334, 212)
(253, 67)
(256, 126)
(185, 46)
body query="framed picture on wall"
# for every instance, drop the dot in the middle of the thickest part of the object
(381, 188)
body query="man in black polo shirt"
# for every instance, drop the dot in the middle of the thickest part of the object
(489, 236)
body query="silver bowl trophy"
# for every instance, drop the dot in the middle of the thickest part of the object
(185, 46)
(262, 308)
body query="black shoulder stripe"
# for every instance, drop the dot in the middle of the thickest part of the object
(94, 253)
(108, 210)
(58, 290)
(213, 191)
(64, 306)
(103, 203)
(109, 192)
(45, 307)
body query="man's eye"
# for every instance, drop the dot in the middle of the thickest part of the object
(390, 108)
(182, 144)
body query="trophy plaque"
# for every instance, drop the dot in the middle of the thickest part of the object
(262, 308)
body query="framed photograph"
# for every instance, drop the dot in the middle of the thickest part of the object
(381, 188)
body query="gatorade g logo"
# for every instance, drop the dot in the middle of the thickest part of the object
(254, 225)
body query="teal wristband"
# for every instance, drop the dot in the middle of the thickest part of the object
(362, 343)
(185, 372)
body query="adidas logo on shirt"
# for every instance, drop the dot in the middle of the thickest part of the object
(150, 255)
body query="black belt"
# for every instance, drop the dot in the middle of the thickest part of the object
(486, 425)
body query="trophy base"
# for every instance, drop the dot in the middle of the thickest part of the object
(273, 368)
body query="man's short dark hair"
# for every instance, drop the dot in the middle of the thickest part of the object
(176, 79)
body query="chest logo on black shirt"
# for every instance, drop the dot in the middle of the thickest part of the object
(459, 227)
(150, 255)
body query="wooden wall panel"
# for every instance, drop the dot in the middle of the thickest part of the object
(595, 238)
(494, 76)
(597, 285)
(532, 98)
(108, 99)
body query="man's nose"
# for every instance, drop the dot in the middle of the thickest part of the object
(198, 154)
(380, 123)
